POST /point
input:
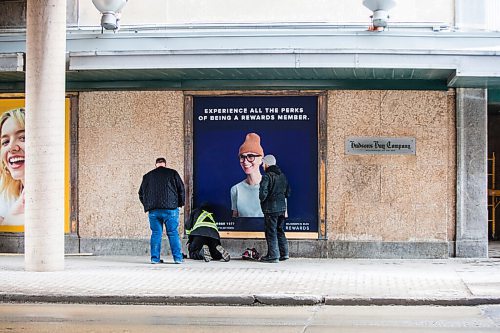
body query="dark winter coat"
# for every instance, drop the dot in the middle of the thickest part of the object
(162, 188)
(273, 190)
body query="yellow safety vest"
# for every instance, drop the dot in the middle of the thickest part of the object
(200, 222)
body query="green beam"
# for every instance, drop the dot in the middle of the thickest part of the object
(493, 96)
(259, 84)
(242, 84)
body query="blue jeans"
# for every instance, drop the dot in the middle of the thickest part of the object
(277, 244)
(169, 217)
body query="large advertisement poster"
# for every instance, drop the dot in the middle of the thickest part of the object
(231, 134)
(13, 164)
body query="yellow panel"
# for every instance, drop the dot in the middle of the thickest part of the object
(12, 228)
(9, 102)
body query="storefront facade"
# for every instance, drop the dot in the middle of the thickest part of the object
(319, 97)
(404, 205)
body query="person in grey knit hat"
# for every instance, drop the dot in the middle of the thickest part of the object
(273, 193)
(269, 160)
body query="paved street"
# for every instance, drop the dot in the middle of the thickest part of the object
(298, 281)
(56, 318)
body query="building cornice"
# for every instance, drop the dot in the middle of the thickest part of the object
(291, 52)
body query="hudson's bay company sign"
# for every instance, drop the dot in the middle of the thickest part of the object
(379, 145)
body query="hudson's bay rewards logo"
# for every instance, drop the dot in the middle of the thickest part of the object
(380, 145)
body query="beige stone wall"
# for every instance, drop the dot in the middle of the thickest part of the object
(120, 136)
(391, 197)
(369, 198)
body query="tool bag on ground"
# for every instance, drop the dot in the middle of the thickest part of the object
(250, 254)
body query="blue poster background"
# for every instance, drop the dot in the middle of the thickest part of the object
(294, 143)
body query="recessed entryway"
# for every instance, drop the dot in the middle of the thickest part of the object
(494, 180)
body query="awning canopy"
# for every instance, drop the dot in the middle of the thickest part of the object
(267, 57)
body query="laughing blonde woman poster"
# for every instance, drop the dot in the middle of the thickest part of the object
(12, 164)
(12, 169)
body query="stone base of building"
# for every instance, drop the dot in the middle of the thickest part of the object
(471, 249)
(14, 243)
(349, 249)
(11, 243)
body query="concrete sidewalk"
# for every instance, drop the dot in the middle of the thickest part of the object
(298, 281)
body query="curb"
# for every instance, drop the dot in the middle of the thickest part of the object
(288, 299)
(363, 301)
(131, 300)
(245, 300)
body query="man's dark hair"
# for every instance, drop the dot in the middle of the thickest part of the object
(161, 160)
(206, 206)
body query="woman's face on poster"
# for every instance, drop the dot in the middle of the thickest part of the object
(250, 162)
(12, 148)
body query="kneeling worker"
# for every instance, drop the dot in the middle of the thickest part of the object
(204, 240)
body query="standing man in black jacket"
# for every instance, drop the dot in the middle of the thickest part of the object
(162, 193)
(273, 191)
